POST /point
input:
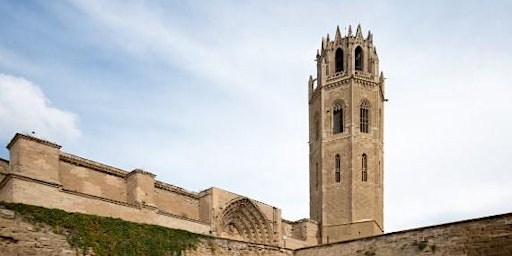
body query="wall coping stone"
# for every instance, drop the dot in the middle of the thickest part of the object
(27, 137)
(498, 216)
(79, 161)
(140, 171)
(300, 221)
(176, 189)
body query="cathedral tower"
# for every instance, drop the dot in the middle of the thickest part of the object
(346, 117)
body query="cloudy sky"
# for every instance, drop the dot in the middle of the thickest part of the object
(214, 93)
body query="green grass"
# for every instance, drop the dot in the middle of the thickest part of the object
(110, 236)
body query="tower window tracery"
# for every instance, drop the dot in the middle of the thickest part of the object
(338, 118)
(337, 172)
(359, 56)
(338, 61)
(364, 119)
(364, 168)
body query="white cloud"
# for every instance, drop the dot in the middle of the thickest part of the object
(25, 108)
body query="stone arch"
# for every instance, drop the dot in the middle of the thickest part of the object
(244, 220)
(338, 60)
(338, 116)
(364, 116)
(359, 58)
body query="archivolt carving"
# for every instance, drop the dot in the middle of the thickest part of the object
(243, 219)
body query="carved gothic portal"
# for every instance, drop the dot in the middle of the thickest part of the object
(242, 219)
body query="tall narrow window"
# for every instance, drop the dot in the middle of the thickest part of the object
(324, 63)
(364, 168)
(338, 118)
(381, 129)
(337, 172)
(359, 58)
(364, 117)
(317, 129)
(317, 178)
(378, 175)
(338, 59)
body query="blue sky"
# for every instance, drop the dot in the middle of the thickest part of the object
(206, 93)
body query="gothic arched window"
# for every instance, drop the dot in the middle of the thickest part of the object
(364, 168)
(364, 118)
(337, 118)
(337, 171)
(338, 60)
(359, 55)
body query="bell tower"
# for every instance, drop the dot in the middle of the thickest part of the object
(346, 118)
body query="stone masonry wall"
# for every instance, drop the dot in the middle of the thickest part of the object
(226, 247)
(70, 201)
(484, 236)
(4, 168)
(39, 173)
(4, 165)
(18, 237)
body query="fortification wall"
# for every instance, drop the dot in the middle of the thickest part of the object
(226, 247)
(4, 165)
(18, 237)
(71, 201)
(182, 204)
(89, 177)
(484, 236)
(75, 177)
(39, 174)
(299, 234)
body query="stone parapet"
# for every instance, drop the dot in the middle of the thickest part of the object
(140, 187)
(18, 136)
(89, 164)
(483, 236)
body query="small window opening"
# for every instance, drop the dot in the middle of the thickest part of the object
(317, 178)
(338, 60)
(380, 123)
(363, 117)
(364, 167)
(317, 129)
(338, 169)
(359, 58)
(378, 175)
(338, 119)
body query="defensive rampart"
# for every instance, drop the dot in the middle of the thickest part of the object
(39, 173)
(484, 236)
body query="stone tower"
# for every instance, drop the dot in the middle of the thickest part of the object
(346, 117)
